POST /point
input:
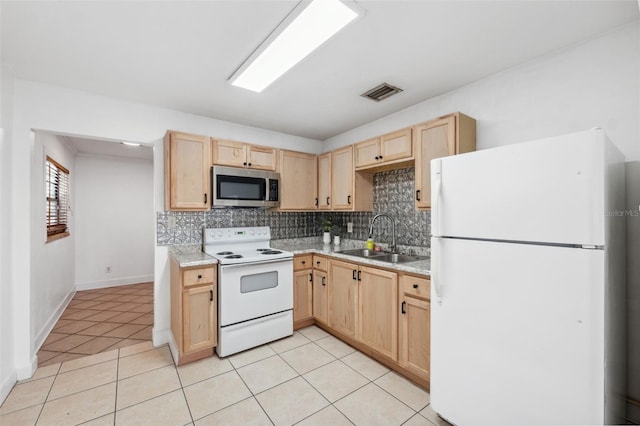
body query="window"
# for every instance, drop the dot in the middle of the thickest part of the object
(57, 180)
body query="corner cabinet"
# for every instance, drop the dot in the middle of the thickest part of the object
(193, 311)
(448, 135)
(350, 190)
(298, 181)
(186, 171)
(320, 292)
(239, 154)
(302, 291)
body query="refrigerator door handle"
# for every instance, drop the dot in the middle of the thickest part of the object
(436, 188)
(437, 286)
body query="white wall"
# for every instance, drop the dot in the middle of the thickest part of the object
(115, 221)
(7, 371)
(591, 84)
(52, 271)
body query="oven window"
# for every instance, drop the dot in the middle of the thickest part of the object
(257, 282)
(240, 188)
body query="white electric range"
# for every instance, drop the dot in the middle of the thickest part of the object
(255, 287)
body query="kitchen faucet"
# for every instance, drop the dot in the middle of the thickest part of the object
(392, 246)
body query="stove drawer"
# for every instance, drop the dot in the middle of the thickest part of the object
(198, 276)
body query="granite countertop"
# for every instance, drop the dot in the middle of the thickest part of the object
(191, 255)
(315, 246)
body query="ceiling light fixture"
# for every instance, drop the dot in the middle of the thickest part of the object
(131, 144)
(306, 28)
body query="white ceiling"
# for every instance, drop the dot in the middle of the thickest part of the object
(111, 149)
(179, 54)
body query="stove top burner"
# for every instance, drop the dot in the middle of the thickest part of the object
(270, 252)
(224, 253)
(263, 249)
(233, 256)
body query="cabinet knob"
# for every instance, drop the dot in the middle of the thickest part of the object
(415, 286)
(376, 157)
(199, 276)
(244, 164)
(380, 158)
(249, 164)
(304, 261)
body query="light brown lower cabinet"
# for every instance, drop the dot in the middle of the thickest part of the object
(193, 311)
(342, 297)
(383, 313)
(302, 291)
(415, 325)
(378, 316)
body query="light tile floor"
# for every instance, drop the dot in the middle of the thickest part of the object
(100, 320)
(310, 378)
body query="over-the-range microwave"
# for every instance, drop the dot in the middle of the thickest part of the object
(237, 187)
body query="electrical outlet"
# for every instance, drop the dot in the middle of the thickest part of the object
(349, 227)
(107, 269)
(171, 223)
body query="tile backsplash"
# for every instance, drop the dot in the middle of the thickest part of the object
(393, 194)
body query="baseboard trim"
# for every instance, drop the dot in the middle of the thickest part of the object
(114, 282)
(51, 322)
(161, 337)
(7, 385)
(26, 372)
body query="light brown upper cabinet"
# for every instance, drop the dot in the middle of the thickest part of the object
(239, 154)
(324, 181)
(298, 183)
(448, 135)
(186, 171)
(392, 150)
(349, 190)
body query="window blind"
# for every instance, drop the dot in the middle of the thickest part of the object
(57, 181)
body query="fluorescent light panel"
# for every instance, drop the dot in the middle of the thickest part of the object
(317, 23)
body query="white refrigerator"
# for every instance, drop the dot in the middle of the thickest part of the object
(528, 284)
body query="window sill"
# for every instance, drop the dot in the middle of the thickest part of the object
(54, 237)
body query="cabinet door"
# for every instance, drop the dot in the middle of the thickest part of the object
(415, 336)
(367, 152)
(199, 318)
(229, 153)
(378, 319)
(342, 182)
(302, 294)
(342, 295)
(324, 181)
(396, 145)
(262, 157)
(297, 180)
(434, 139)
(320, 296)
(186, 171)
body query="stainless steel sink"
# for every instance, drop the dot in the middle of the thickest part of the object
(362, 253)
(383, 256)
(399, 258)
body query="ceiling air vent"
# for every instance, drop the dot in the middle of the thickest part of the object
(380, 92)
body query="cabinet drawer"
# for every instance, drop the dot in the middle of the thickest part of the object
(320, 263)
(416, 286)
(302, 262)
(198, 276)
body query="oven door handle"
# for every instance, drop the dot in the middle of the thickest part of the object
(246, 264)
